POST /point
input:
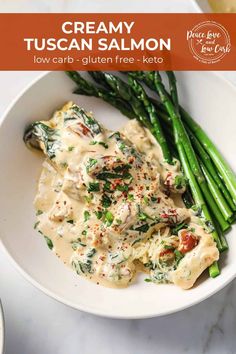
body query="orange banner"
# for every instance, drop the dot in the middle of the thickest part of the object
(118, 41)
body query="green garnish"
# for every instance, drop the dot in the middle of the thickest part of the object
(91, 253)
(142, 216)
(169, 247)
(118, 221)
(84, 232)
(49, 242)
(180, 182)
(71, 148)
(93, 187)
(105, 145)
(109, 175)
(131, 197)
(109, 218)
(178, 256)
(106, 201)
(123, 188)
(135, 241)
(143, 228)
(179, 227)
(107, 186)
(94, 142)
(86, 215)
(146, 200)
(36, 224)
(91, 162)
(39, 212)
(147, 280)
(98, 214)
(70, 221)
(88, 198)
(64, 164)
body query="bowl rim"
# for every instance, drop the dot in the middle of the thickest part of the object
(88, 309)
(2, 334)
(198, 6)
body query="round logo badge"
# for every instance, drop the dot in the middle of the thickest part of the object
(209, 42)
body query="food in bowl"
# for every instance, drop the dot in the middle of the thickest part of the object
(223, 5)
(110, 206)
(156, 196)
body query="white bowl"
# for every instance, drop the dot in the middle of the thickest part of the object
(208, 97)
(202, 5)
(1, 330)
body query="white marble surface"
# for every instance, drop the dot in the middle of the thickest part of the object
(37, 324)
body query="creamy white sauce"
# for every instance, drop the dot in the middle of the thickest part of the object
(103, 204)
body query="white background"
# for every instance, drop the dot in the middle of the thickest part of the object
(36, 324)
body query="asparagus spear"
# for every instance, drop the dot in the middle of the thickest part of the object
(124, 91)
(223, 167)
(157, 129)
(211, 168)
(84, 87)
(215, 191)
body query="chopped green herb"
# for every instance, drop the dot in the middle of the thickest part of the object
(146, 200)
(142, 216)
(86, 215)
(39, 212)
(106, 201)
(153, 199)
(118, 221)
(70, 221)
(143, 228)
(123, 188)
(179, 227)
(91, 162)
(90, 122)
(93, 187)
(98, 214)
(64, 164)
(49, 242)
(91, 252)
(147, 280)
(36, 224)
(71, 148)
(135, 241)
(84, 232)
(122, 167)
(131, 197)
(178, 256)
(180, 182)
(109, 218)
(169, 247)
(105, 145)
(107, 186)
(88, 198)
(109, 175)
